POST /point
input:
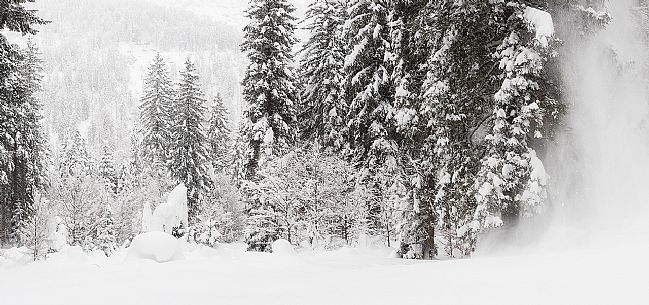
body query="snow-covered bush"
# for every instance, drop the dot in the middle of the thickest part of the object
(306, 195)
(140, 184)
(35, 230)
(222, 213)
(79, 198)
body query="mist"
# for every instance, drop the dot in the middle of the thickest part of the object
(599, 164)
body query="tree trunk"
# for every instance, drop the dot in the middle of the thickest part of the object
(428, 246)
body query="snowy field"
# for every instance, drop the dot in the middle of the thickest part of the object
(229, 275)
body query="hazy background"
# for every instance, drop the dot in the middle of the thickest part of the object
(97, 52)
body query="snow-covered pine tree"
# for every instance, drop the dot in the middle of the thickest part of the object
(107, 172)
(322, 108)
(23, 150)
(156, 112)
(458, 68)
(445, 79)
(261, 229)
(189, 154)
(370, 133)
(269, 84)
(74, 155)
(239, 157)
(223, 218)
(416, 218)
(218, 136)
(512, 180)
(105, 239)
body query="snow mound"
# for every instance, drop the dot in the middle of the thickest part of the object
(157, 246)
(69, 255)
(15, 256)
(283, 247)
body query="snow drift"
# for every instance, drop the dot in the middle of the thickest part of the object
(157, 246)
(282, 247)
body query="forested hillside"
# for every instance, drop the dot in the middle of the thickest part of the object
(96, 53)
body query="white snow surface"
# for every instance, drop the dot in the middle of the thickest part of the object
(347, 276)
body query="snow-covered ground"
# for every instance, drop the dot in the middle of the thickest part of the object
(229, 275)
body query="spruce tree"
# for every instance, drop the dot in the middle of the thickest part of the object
(218, 135)
(156, 111)
(269, 84)
(322, 108)
(239, 157)
(106, 235)
(107, 172)
(22, 144)
(368, 87)
(416, 218)
(512, 181)
(189, 153)
(370, 133)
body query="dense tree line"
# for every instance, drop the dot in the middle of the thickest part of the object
(442, 107)
(417, 124)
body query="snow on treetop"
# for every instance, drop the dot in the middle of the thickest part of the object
(542, 23)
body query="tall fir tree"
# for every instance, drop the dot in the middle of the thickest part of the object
(22, 144)
(218, 135)
(189, 153)
(269, 85)
(512, 180)
(322, 108)
(371, 136)
(454, 96)
(156, 111)
(416, 218)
